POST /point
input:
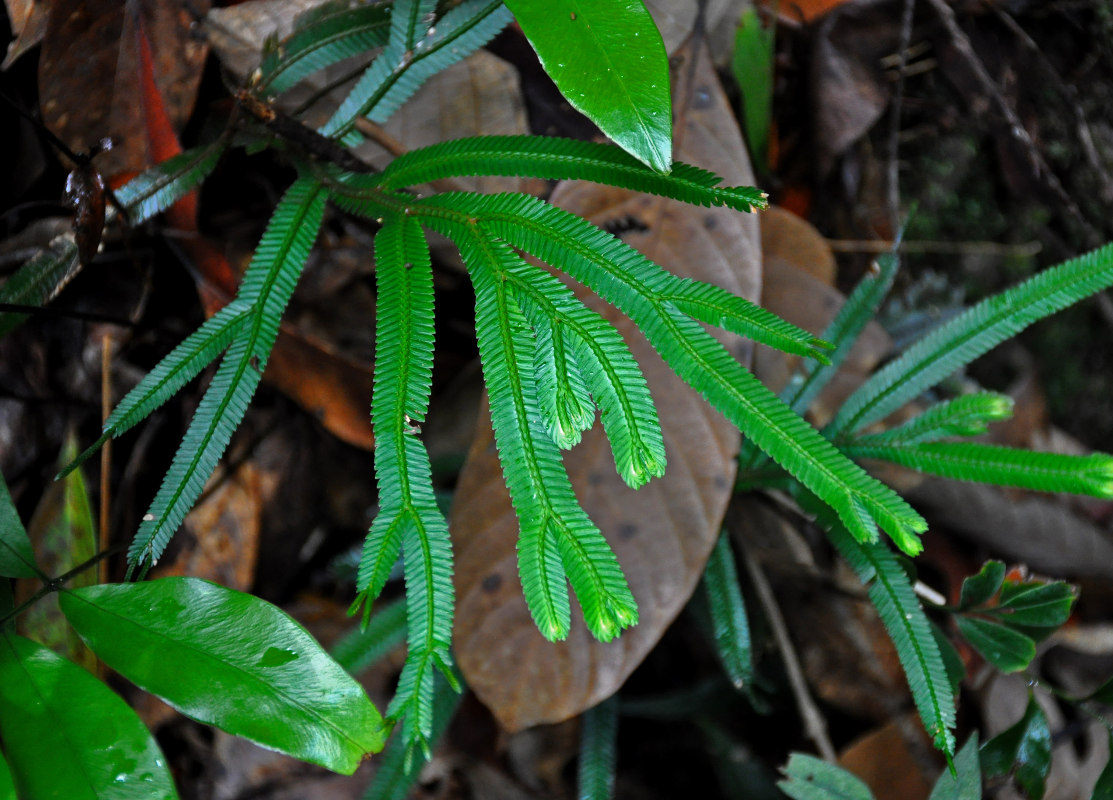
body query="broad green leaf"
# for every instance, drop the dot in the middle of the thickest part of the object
(728, 614)
(965, 783)
(67, 735)
(752, 66)
(978, 589)
(1024, 750)
(7, 787)
(1103, 789)
(16, 558)
(975, 331)
(39, 280)
(231, 660)
(1037, 605)
(1006, 649)
(608, 60)
(810, 778)
(598, 742)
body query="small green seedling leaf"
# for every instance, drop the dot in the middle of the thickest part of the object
(809, 778)
(965, 783)
(608, 60)
(978, 589)
(1006, 649)
(68, 735)
(1033, 604)
(16, 557)
(231, 660)
(1023, 750)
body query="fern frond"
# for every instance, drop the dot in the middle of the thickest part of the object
(622, 276)
(409, 20)
(408, 514)
(598, 745)
(557, 538)
(398, 72)
(892, 594)
(973, 332)
(1003, 466)
(860, 307)
(182, 365)
(155, 190)
(267, 285)
(562, 395)
(610, 371)
(727, 609)
(39, 280)
(558, 159)
(968, 415)
(322, 37)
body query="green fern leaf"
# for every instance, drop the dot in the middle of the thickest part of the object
(598, 746)
(892, 594)
(968, 415)
(1003, 466)
(409, 20)
(398, 72)
(182, 365)
(727, 609)
(562, 395)
(978, 329)
(610, 371)
(322, 37)
(39, 280)
(267, 286)
(559, 159)
(622, 276)
(557, 538)
(408, 515)
(155, 190)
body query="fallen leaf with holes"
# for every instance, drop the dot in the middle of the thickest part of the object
(113, 69)
(661, 534)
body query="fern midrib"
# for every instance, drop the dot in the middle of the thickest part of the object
(600, 356)
(1003, 313)
(589, 255)
(258, 308)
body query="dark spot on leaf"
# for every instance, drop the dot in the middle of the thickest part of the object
(720, 481)
(627, 531)
(595, 478)
(492, 583)
(710, 223)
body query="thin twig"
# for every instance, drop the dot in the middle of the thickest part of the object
(815, 726)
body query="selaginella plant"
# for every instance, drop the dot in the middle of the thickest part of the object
(549, 363)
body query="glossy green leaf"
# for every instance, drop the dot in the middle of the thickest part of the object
(608, 60)
(1103, 789)
(598, 743)
(1024, 749)
(16, 558)
(231, 660)
(727, 610)
(810, 778)
(978, 589)
(1006, 649)
(752, 66)
(67, 735)
(965, 783)
(1037, 605)
(7, 786)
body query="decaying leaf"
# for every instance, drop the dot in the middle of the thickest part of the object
(661, 534)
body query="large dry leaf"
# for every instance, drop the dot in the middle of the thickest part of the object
(662, 534)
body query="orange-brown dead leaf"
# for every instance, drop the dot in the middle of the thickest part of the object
(661, 534)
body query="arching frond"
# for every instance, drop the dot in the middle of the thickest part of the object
(267, 286)
(398, 72)
(623, 276)
(968, 415)
(559, 159)
(1004, 466)
(408, 516)
(975, 331)
(322, 36)
(155, 190)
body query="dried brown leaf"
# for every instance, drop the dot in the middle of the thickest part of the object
(663, 533)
